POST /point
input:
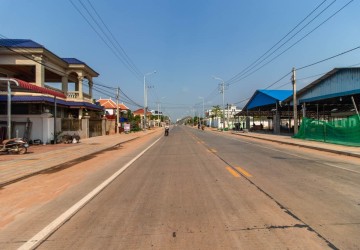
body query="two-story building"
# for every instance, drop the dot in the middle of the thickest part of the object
(54, 94)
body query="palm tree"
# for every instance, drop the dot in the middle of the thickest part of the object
(216, 111)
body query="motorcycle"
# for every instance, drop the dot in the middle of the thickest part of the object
(15, 145)
(166, 131)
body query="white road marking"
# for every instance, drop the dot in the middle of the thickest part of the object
(59, 221)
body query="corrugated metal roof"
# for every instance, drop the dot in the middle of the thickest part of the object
(266, 97)
(335, 83)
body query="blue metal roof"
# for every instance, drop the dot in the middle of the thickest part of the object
(19, 98)
(19, 43)
(72, 61)
(27, 43)
(266, 97)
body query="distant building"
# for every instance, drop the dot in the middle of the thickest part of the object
(215, 121)
(110, 106)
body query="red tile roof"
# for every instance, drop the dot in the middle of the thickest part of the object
(110, 104)
(123, 107)
(141, 112)
(107, 103)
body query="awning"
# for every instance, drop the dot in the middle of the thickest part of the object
(38, 89)
(47, 99)
(28, 87)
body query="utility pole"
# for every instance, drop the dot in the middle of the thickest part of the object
(158, 111)
(293, 79)
(222, 91)
(227, 113)
(117, 110)
(203, 112)
(145, 104)
(145, 98)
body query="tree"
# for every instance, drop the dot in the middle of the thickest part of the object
(216, 112)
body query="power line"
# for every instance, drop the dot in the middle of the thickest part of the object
(114, 48)
(254, 64)
(128, 59)
(329, 58)
(312, 76)
(271, 60)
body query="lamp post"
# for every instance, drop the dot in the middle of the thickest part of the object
(145, 97)
(9, 104)
(222, 91)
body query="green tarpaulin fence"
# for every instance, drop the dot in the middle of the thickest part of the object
(345, 131)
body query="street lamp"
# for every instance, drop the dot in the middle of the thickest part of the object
(222, 90)
(8, 80)
(145, 97)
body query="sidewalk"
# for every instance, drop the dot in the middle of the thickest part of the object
(42, 158)
(287, 139)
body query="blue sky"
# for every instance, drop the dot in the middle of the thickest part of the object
(189, 41)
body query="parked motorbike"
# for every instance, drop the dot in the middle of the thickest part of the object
(15, 145)
(69, 139)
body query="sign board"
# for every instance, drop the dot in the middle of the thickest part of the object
(127, 127)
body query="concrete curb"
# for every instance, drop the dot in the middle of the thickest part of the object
(301, 145)
(70, 162)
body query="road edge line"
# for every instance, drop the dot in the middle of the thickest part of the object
(37, 239)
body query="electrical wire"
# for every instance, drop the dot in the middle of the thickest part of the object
(244, 71)
(128, 59)
(302, 38)
(114, 49)
(309, 77)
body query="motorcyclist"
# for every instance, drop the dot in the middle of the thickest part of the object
(167, 129)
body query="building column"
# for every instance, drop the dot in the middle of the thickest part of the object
(304, 109)
(39, 71)
(85, 126)
(64, 84)
(80, 86)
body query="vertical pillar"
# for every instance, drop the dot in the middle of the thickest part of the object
(80, 87)
(304, 109)
(293, 80)
(103, 125)
(8, 111)
(85, 124)
(64, 84)
(39, 72)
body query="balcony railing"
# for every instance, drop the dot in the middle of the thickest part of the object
(73, 94)
(76, 95)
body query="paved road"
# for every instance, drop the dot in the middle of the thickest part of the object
(200, 190)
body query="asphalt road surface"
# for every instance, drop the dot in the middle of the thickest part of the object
(195, 190)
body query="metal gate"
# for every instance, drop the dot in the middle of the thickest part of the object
(95, 127)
